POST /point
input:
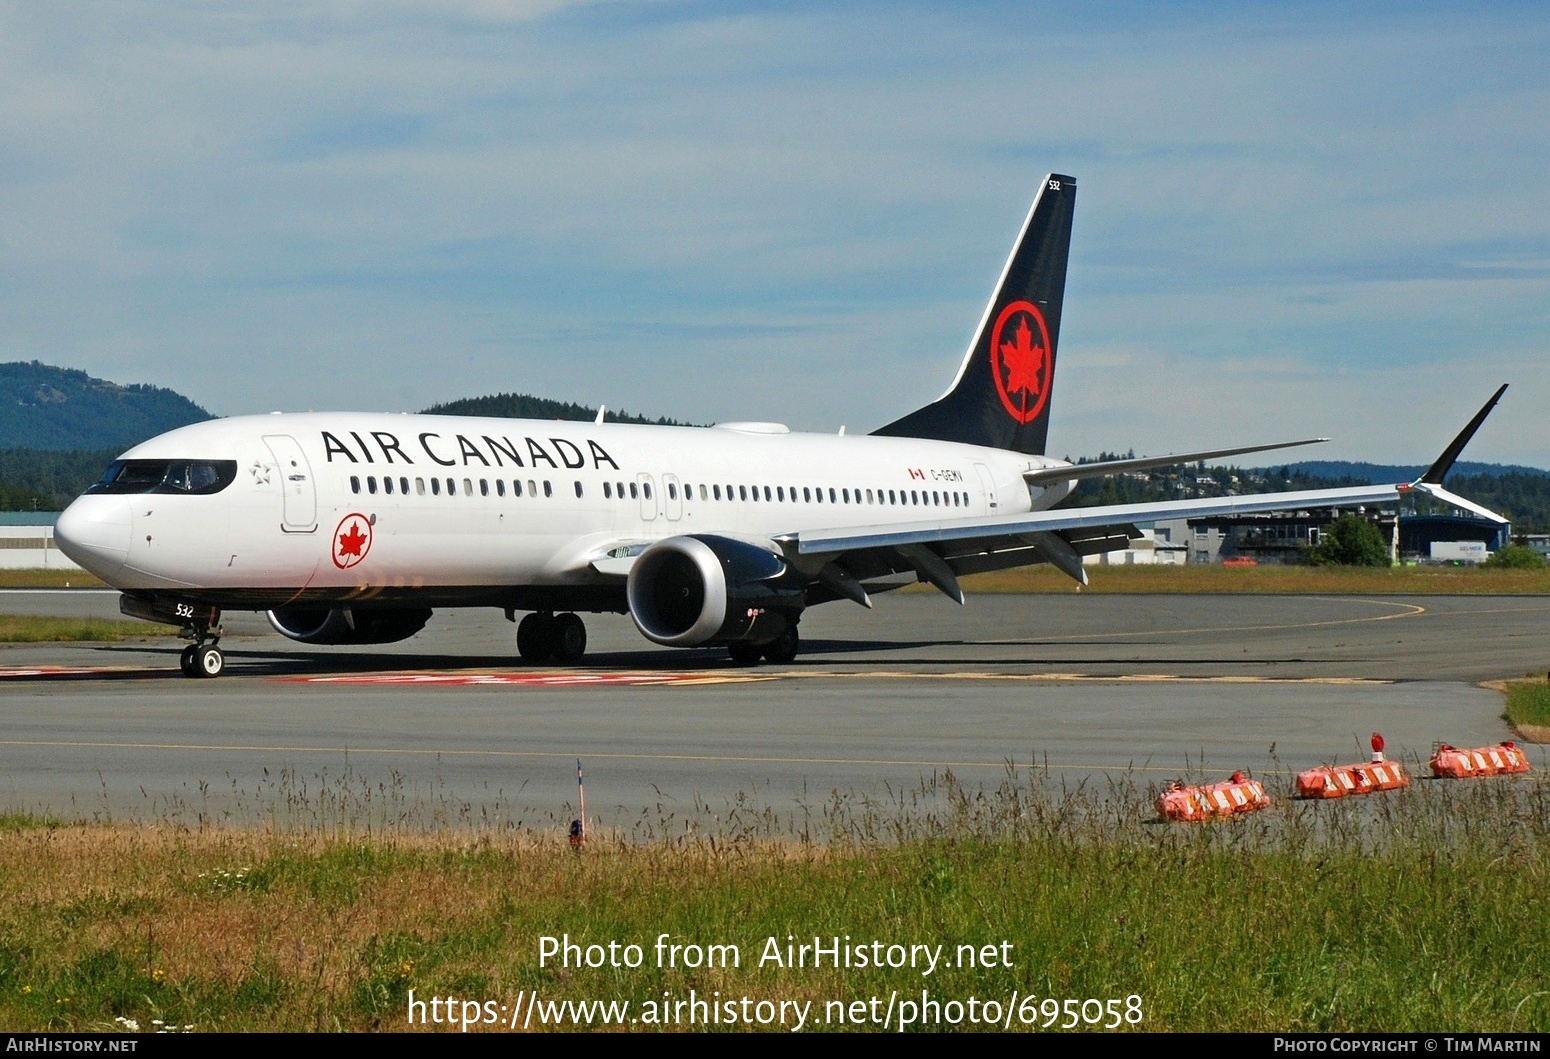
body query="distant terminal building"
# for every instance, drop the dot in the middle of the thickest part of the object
(1152, 548)
(1281, 538)
(1450, 538)
(27, 542)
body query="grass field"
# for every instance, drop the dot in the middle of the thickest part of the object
(1528, 708)
(22, 628)
(48, 579)
(1413, 910)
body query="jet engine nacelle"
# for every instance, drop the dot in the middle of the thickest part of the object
(348, 625)
(694, 590)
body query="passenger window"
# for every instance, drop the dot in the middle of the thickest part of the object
(500, 487)
(403, 486)
(387, 486)
(578, 490)
(548, 488)
(452, 487)
(355, 484)
(435, 487)
(672, 490)
(371, 484)
(484, 487)
(634, 491)
(419, 486)
(468, 487)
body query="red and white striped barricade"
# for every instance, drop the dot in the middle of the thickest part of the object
(1237, 795)
(1503, 758)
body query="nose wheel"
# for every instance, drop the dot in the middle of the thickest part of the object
(202, 658)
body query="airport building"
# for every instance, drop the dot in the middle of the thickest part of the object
(27, 542)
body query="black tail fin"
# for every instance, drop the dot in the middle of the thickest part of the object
(1001, 397)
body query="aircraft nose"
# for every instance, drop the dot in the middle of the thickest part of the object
(94, 532)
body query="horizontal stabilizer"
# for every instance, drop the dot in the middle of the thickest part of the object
(1104, 468)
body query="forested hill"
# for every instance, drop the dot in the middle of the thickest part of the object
(1522, 494)
(60, 409)
(525, 406)
(1336, 470)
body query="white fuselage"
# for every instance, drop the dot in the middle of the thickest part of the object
(462, 503)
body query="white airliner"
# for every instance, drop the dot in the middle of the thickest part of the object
(350, 528)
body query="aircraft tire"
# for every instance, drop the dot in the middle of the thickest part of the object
(186, 661)
(209, 662)
(783, 649)
(745, 654)
(535, 638)
(568, 638)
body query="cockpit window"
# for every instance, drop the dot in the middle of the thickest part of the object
(194, 477)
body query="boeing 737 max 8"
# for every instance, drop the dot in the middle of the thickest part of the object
(352, 528)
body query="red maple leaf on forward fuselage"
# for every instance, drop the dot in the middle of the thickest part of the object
(1024, 361)
(350, 543)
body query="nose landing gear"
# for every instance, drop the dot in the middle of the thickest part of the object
(201, 658)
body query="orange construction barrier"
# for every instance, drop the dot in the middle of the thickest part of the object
(1237, 795)
(1338, 781)
(1451, 763)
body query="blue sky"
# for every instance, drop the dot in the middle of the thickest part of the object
(1293, 219)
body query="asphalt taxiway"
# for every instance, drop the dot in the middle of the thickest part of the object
(448, 725)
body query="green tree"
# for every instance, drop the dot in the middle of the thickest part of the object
(1349, 541)
(1515, 557)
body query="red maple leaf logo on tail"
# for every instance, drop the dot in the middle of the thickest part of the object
(1024, 361)
(1020, 360)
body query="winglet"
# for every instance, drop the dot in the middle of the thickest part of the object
(1439, 470)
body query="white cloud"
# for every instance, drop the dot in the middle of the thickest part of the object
(806, 204)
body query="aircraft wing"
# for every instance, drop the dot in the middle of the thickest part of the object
(940, 551)
(937, 552)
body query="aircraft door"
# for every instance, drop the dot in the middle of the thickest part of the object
(673, 502)
(295, 474)
(988, 483)
(648, 497)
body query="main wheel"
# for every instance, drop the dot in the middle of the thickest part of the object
(783, 649)
(568, 635)
(186, 661)
(535, 638)
(209, 661)
(745, 654)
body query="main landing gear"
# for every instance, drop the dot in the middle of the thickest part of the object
(545, 637)
(202, 659)
(780, 651)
